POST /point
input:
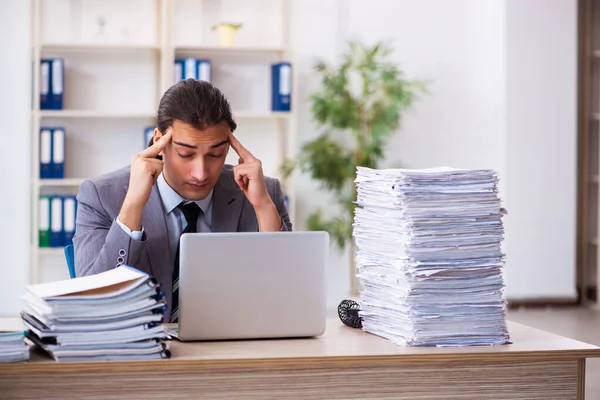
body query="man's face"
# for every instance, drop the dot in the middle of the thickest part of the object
(194, 158)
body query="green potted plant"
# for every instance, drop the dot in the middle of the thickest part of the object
(226, 32)
(359, 107)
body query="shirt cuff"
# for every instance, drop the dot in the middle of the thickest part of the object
(135, 235)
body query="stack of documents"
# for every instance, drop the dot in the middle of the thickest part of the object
(13, 347)
(429, 256)
(114, 315)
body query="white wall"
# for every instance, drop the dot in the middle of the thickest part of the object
(14, 165)
(496, 100)
(456, 45)
(541, 148)
(503, 96)
(322, 40)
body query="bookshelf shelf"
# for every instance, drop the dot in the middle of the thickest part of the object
(237, 50)
(98, 47)
(130, 64)
(50, 251)
(69, 182)
(261, 115)
(93, 114)
(141, 115)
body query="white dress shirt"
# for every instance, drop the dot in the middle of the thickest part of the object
(176, 221)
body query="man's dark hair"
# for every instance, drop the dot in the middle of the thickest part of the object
(197, 103)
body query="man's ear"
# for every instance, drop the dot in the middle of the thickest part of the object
(157, 135)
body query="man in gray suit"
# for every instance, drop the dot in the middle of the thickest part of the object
(180, 183)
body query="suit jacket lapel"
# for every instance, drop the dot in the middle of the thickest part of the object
(227, 204)
(155, 227)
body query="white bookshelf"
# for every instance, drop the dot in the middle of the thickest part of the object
(114, 81)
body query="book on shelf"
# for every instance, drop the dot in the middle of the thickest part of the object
(52, 152)
(51, 83)
(56, 223)
(148, 135)
(281, 86)
(195, 68)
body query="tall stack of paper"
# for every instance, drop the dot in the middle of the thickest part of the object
(13, 347)
(114, 315)
(429, 256)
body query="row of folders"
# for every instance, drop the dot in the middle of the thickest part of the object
(53, 149)
(52, 80)
(57, 220)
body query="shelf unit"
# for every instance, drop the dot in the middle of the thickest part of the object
(95, 116)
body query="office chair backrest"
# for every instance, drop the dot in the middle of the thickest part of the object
(70, 256)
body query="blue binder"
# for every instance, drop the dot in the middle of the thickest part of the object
(286, 201)
(44, 222)
(204, 70)
(57, 72)
(281, 86)
(58, 153)
(178, 71)
(148, 135)
(186, 68)
(57, 233)
(45, 153)
(69, 214)
(45, 76)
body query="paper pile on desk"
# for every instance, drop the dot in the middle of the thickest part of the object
(13, 347)
(114, 315)
(429, 256)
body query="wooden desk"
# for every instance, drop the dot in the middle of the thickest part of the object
(344, 363)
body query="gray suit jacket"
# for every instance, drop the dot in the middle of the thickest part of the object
(101, 244)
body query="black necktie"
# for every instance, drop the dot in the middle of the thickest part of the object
(191, 212)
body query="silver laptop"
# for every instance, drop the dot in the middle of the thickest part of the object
(252, 285)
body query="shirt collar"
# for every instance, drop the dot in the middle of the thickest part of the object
(171, 199)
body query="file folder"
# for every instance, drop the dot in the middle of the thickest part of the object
(57, 83)
(45, 103)
(56, 221)
(186, 68)
(44, 222)
(45, 153)
(281, 86)
(177, 71)
(69, 213)
(190, 68)
(204, 73)
(148, 135)
(58, 153)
